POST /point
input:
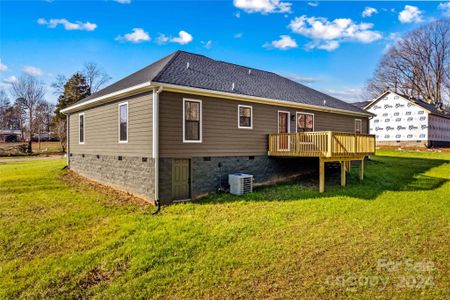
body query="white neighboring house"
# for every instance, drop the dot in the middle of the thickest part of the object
(403, 121)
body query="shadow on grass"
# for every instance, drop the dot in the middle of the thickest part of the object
(383, 173)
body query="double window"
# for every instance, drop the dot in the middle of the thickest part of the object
(192, 123)
(123, 122)
(305, 122)
(245, 114)
(81, 128)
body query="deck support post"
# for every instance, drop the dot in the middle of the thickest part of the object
(321, 176)
(361, 169)
(343, 173)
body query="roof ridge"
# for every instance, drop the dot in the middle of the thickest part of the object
(174, 55)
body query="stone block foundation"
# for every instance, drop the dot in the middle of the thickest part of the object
(131, 174)
(210, 174)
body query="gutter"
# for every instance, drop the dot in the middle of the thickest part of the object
(198, 91)
(111, 96)
(238, 97)
(155, 142)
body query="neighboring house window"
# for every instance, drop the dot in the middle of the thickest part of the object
(358, 126)
(81, 127)
(305, 122)
(123, 123)
(245, 117)
(192, 123)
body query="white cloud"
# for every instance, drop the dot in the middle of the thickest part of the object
(10, 79)
(123, 1)
(301, 79)
(284, 43)
(138, 35)
(328, 35)
(33, 71)
(3, 67)
(53, 23)
(237, 15)
(445, 7)
(369, 11)
(328, 45)
(162, 39)
(238, 35)
(207, 44)
(313, 4)
(263, 6)
(410, 14)
(183, 38)
(392, 38)
(346, 93)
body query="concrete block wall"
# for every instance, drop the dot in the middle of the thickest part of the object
(131, 174)
(209, 174)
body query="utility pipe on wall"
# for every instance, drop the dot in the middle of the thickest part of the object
(155, 142)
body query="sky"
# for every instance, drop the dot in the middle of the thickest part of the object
(331, 46)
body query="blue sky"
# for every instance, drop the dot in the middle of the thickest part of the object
(331, 46)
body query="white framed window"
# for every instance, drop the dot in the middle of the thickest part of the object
(123, 122)
(358, 125)
(192, 121)
(245, 117)
(304, 122)
(81, 128)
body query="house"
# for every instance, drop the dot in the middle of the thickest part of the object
(175, 129)
(405, 121)
(10, 135)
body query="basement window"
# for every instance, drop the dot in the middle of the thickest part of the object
(245, 117)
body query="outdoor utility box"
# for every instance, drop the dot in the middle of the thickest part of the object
(240, 183)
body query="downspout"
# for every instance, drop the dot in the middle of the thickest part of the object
(68, 140)
(155, 152)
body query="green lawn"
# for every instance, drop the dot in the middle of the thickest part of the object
(66, 240)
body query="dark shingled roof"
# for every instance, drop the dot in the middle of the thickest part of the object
(206, 73)
(361, 104)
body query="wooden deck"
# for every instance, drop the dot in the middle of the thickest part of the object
(328, 146)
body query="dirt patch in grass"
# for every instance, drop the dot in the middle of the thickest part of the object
(115, 197)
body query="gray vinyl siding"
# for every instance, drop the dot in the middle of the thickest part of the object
(221, 135)
(102, 130)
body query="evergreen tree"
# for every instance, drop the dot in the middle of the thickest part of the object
(75, 89)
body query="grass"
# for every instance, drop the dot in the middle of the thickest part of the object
(60, 239)
(45, 148)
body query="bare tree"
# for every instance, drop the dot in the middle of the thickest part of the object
(58, 84)
(5, 104)
(95, 76)
(418, 65)
(43, 119)
(59, 126)
(29, 93)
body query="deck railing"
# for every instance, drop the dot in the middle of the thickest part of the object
(321, 144)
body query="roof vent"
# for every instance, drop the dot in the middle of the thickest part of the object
(232, 86)
(249, 71)
(187, 65)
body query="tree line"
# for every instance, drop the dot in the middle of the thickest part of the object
(32, 114)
